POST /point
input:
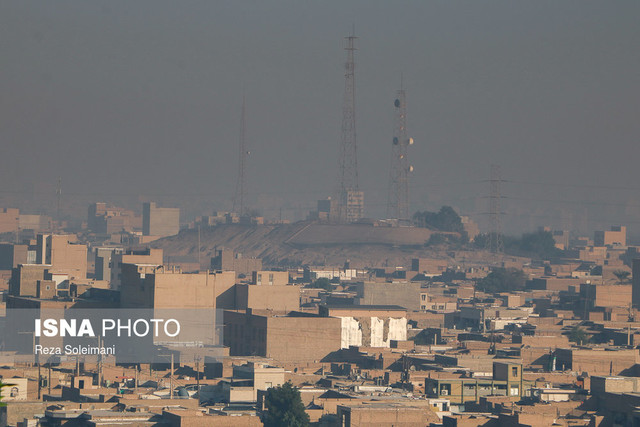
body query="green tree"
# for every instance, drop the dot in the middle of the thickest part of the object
(322, 283)
(622, 275)
(481, 241)
(284, 407)
(539, 244)
(578, 335)
(503, 280)
(436, 239)
(444, 220)
(3, 385)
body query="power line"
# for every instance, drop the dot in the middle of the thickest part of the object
(556, 184)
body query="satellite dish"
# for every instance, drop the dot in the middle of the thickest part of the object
(410, 141)
(396, 103)
(410, 168)
(395, 140)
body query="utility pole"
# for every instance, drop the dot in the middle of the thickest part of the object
(629, 320)
(198, 376)
(171, 379)
(100, 343)
(39, 380)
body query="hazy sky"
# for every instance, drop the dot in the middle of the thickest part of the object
(128, 98)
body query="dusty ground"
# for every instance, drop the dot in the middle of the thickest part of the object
(278, 245)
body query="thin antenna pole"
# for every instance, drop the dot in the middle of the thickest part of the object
(241, 185)
(58, 197)
(398, 198)
(350, 200)
(495, 238)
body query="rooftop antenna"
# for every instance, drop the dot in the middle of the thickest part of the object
(398, 200)
(243, 153)
(58, 197)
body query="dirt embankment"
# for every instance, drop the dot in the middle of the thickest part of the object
(294, 244)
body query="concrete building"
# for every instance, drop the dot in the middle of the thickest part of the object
(507, 380)
(433, 302)
(270, 278)
(16, 391)
(617, 399)
(596, 295)
(355, 205)
(26, 277)
(9, 220)
(11, 255)
(159, 222)
(258, 376)
(63, 254)
(490, 318)
(553, 283)
(617, 236)
(596, 361)
(228, 260)
(103, 259)
(294, 338)
(152, 286)
(278, 298)
(404, 294)
(429, 266)
(342, 274)
(327, 210)
(131, 256)
(37, 223)
(561, 238)
(103, 220)
(385, 414)
(368, 325)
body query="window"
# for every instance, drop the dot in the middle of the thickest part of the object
(14, 392)
(424, 297)
(515, 390)
(271, 279)
(514, 371)
(469, 389)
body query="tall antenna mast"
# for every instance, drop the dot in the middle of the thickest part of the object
(496, 245)
(351, 199)
(58, 197)
(241, 184)
(398, 200)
